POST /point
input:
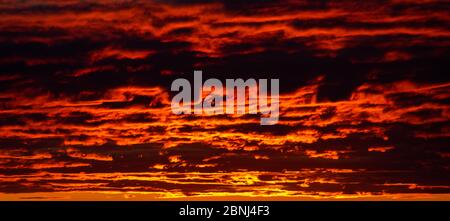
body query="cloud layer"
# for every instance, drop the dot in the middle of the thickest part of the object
(364, 105)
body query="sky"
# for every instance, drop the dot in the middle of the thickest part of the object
(85, 100)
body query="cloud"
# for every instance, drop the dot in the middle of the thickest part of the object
(85, 100)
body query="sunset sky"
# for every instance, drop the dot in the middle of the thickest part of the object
(85, 100)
